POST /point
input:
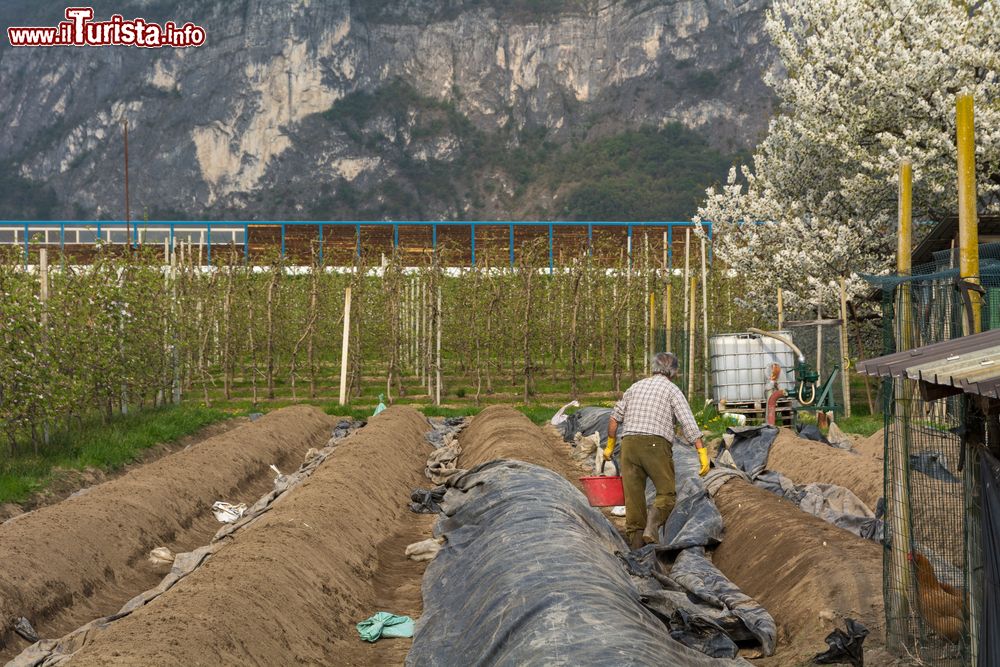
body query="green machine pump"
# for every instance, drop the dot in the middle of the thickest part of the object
(811, 395)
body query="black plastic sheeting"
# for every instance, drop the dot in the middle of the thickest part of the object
(930, 464)
(695, 521)
(694, 524)
(427, 501)
(989, 629)
(586, 421)
(811, 432)
(845, 647)
(530, 574)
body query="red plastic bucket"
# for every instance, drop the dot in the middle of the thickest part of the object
(603, 491)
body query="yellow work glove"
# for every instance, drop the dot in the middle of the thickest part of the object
(703, 457)
(609, 449)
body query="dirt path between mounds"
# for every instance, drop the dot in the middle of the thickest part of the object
(291, 587)
(68, 563)
(807, 461)
(808, 574)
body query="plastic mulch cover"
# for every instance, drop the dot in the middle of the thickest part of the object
(989, 631)
(751, 447)
(530, 574)
(586, 421)
(695, 520)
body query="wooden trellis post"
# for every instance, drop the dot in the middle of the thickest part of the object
(345, 346)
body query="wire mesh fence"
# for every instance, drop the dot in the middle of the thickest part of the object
(933, 555)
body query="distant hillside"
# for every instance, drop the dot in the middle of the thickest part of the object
(379, 108)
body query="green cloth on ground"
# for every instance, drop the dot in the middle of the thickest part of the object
(381, 404)
(384, 624)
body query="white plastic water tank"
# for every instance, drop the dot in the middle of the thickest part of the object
(741, 366)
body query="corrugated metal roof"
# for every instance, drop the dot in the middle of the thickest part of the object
(970, 364)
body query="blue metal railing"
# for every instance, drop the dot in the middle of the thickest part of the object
(171, 228)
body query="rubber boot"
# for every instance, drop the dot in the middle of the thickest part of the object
(657, 518)
(636, 541)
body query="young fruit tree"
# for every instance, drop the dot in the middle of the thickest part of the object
(863, 86)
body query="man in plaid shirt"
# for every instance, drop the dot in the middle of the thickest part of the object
(649, 413)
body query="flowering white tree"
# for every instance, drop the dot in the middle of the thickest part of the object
(865, 84)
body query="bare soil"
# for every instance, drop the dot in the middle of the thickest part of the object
(873, 445)
(806, 462)
(808, 574)
(290, 588)
(501, 432)
(71, 562)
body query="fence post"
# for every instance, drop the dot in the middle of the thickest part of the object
(898, 445)
(344, 346)
(968, 224)
(551, 263)
(704, 314)
(845, 353)
(511, 237)
(692, 325)
(781, 309)
(43, 294)
(437, 363)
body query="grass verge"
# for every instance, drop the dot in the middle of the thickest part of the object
(101, 445)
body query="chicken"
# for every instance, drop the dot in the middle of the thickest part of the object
(941, 605)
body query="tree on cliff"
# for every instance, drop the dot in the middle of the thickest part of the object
(865, 84)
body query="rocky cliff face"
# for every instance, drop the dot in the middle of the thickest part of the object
(292, 103)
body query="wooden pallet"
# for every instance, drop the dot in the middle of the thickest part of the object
(756, 411)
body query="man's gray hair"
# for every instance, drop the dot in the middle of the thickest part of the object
(665, 363)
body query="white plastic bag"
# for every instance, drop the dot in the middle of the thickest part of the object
(227, 512)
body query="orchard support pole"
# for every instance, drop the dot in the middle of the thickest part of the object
(344, 347)
(781, 309)
(666, 295)
(43, 296)
(692, 325)
(968, 266)
(437, 363)
(704, 315)
(668, 307)
(898, 445)
(687, 297)
(845, 355)
(652, 328)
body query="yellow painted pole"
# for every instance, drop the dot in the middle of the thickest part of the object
(652, 327)
(904, 254)
(968, 222)
(968, 268)
(898, 435)
(668, 317)
(781, 309)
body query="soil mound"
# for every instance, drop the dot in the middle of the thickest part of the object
(68, 563)
(808, 574)
(873, 445)
(501, 432)
(290, 588)
(807, 462)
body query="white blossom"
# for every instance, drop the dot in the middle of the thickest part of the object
(865, 84)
